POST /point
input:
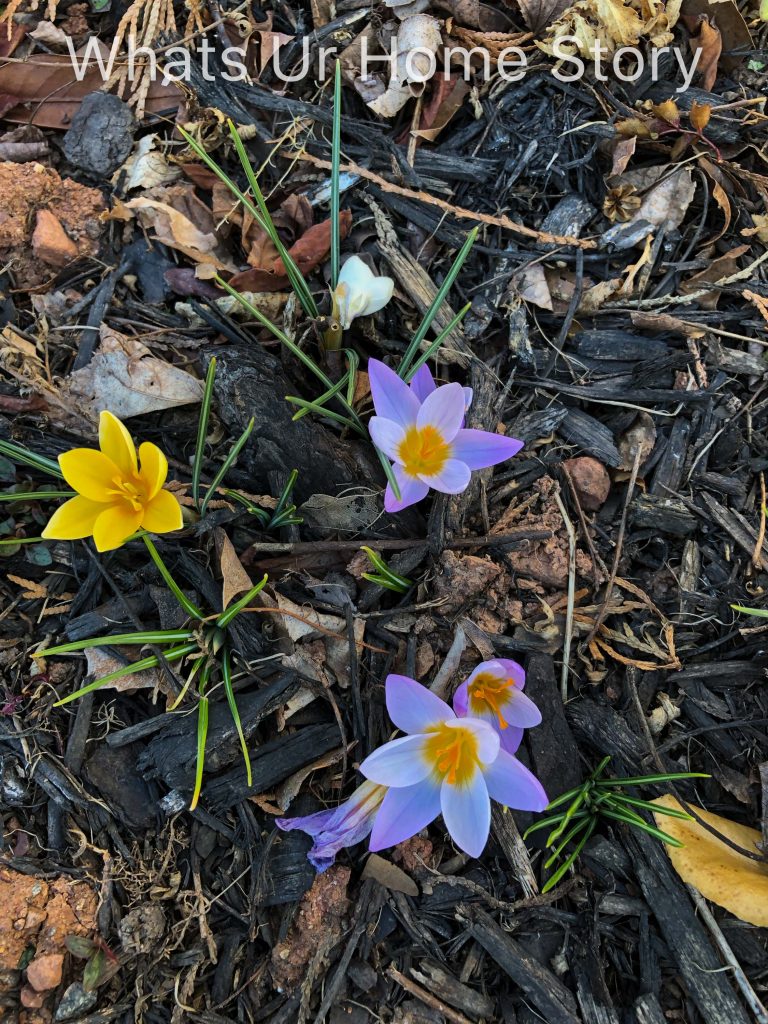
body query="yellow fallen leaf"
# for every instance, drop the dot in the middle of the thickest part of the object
(722, 875)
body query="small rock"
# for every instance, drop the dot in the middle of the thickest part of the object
(101, 136)
(590, 480)
(75, 1002)
(44, 972)
(142, 928)
(31, 999)
(50, 242)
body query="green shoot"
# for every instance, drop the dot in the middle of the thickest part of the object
(234, 609)
(226, 672)
(761, 613)
(202, 736)
(384, 576)
(284, 513)
(431, 313)
(152, 661)
(190, 608)
(226, 466)
(35, 495)
(435, 345)
(335, 165)
(159, 636)
(595, 798)
(18, 453)
(202, 432)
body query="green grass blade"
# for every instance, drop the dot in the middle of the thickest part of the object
(306, 406)
(564, 798)
(202, 736)
(636, 821)
(198, 664)
(19, 454)
(202, 431)
(10, 541)
(386, 577)
(646, 805)
(35, 495)
(431, 313)
(292, 270)
(349, 379)
(159, 636)
(249, 505)
(176, 590)
(335, 168)
(226, 669)
(435, 345)
(761, 613)
(569, 813)
(226, 465)
(286, 493)
(552, 882)
(644, 780)
(174, 654)
(386, 465)
(567, 838)
(552, 819)
(234, 609)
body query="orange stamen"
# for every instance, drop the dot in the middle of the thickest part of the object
(492, 692)
(423, 450)
(453, 753)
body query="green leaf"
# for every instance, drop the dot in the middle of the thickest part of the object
(202, 735)
(202, 431)
(35, 495)
(554, 879)
(566, 840)
(226, 671)
(335, 167)
(431, 313)
(158, 636)
(174, 654)
(761, 613)
(79, 946)
(176, 590)
(93, 970)
(646, 780)
(646, 805)
(552, 820)
(227, 465)
(628, 818)
(435, 345)
(234, 609)
(386, 577)
(19, 454)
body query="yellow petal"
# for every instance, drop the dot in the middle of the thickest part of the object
(115, 525)
(117, 444)
(154, 467)
(719, 873)
(162, 514)
(90, 473)
(74, 520)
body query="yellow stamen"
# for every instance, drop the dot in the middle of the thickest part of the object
(453, 753)
(423, 450)
(487, 691)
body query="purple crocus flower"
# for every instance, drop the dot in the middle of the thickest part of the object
(494, 693)
(445, 765)
(420, 428)
(342, 826)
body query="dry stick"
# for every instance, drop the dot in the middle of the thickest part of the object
(571, 592)
(456, 211)
(617, 553)
(757, 560)
(450, 664)
(760, 1012)
(312, 547)
(426, 997)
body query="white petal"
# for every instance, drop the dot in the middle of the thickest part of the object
(380, 292)
(467, 814)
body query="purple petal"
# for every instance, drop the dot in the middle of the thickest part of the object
(312, 824)
(481, 448)
(405, 812)
(486, 737)
(453, 477)
(521, 711)
(398, 763)
(443, 410)
(412, 707)
(392, 398)
(411, 491)
(423, 383)
(511, 738)
(509, 782)
(461, 699)
(467, 814)
(468, 396)
(386, 434)
(513, 671)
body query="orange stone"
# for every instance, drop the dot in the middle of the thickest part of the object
(44, 972)
(50, 242)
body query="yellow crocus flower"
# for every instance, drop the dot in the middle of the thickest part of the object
(118, 492)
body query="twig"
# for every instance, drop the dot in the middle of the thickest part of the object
(456, 211)
(450, 664)
(426, 997)
(617, 553)
(760, 1012)
(571, 593)
(757, 560)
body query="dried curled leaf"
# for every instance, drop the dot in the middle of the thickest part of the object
(612, 24)
(721, 874)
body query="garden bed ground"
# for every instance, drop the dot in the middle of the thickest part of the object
(627, 353)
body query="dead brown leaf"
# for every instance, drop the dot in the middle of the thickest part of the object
(234, 579)
(710, 42)
(389, 875)
(537, 14)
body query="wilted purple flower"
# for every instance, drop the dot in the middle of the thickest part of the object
(339, 827)
(445, 765)
(494, 692)
(420, 427)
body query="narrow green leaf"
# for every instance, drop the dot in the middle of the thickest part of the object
(761, 613)
(349, 378)
(19, 454)
(386, 577)
(646, 805)
(226, 671)
(386, 465)
(202, 735)
(197, 665)
(234, 609)
(226, 465)
(429, 316)
(435, 345)
(646, 780)
(552, 820)
(573, 807)
(158, 636)
(174, 654)
(306, 406)
(554, 879)
(564, 798)
(282, 501)
(637, 822)
(10, 541)
(249, 505)
(335, 169)
(180, 596)
(567, 838)
(35, 495)
(202, 431)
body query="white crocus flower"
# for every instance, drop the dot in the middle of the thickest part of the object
(359, 292)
